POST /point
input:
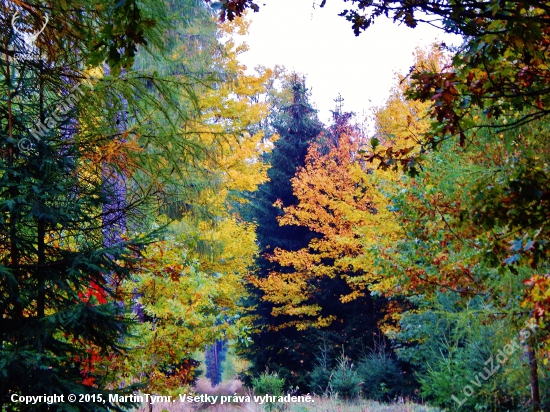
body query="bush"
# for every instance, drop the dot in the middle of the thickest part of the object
(344, 379)
(320, 379)
(269, 384)
(382, 376)
(321, 373)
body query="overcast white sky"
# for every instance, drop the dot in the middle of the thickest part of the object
(320, 44)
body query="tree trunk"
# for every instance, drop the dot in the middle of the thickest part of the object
(533, 369)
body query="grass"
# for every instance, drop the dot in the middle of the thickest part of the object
(319, 405)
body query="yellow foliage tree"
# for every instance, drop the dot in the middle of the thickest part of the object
(401, 124)
(190, 287)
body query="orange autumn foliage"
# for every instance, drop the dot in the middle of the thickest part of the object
(333, 200)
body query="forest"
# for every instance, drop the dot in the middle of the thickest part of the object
(174, 225)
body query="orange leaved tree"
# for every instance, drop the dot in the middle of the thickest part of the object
(335, 198)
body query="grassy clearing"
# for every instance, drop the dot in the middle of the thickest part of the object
(319, 405)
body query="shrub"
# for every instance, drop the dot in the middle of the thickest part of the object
(344, 379)
(320, 379)
(321, 373)
(269, 384)
(381, 375)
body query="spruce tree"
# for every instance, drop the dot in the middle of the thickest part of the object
(58, 311)
(291, 351)
(297, 125)
(59, 297)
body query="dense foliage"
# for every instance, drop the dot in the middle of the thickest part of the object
(156, 198)
(118, 182)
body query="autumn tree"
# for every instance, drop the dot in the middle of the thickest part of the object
(401, 124)
(62, 283)
(189, 289)
(322, 186)
(325, 288)
(186, 305)
(462, 254)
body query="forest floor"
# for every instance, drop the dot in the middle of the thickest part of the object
(319, 404)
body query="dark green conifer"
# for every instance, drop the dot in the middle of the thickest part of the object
(58, 310)
(297, 125)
